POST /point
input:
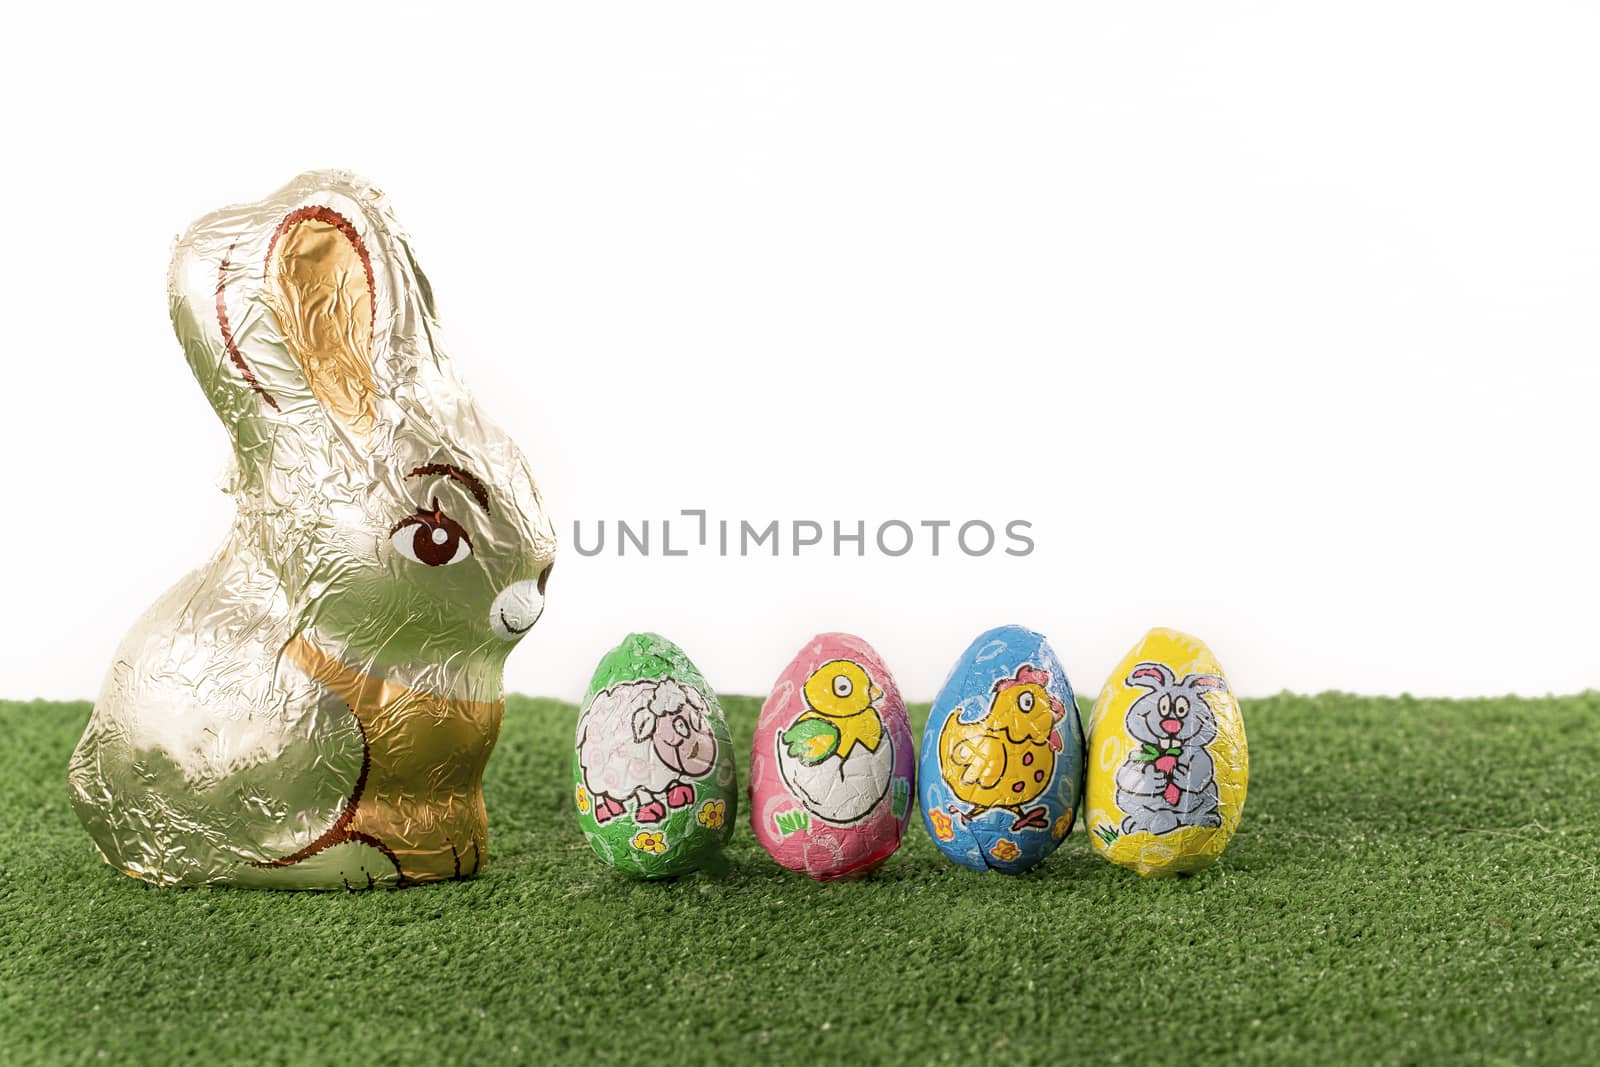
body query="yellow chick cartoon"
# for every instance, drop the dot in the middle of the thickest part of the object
(839, 714)
(835, 757)
(1006, 758)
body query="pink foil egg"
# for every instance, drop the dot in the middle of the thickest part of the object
(831, 771)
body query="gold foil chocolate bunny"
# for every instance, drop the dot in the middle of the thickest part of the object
(314, 706)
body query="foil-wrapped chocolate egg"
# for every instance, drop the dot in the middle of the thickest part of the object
(832, 766)
(1168, 761)
(1001, 768)
(653, 772)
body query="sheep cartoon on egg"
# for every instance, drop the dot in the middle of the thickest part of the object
(653, 768)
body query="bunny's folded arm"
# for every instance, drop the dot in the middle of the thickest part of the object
(1196, 772)
(1140, 778)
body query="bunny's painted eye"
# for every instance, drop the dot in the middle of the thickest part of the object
(1164, 704)
(1180, 707)
(1025, 702)
(431, 537)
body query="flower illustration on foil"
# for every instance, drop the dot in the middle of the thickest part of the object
(652, 841)
(711, 814)
(1005, 850)
(943, 828)
(583, 800)
(1062, 825)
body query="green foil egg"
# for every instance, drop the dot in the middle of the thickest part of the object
(653, 775)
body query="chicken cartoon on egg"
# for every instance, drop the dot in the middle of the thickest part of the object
(1005, 759)
(1000, 770)
(835, 757)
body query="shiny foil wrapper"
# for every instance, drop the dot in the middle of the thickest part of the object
(832, 766)
(1169, 765)
(314, 706)
(1000, 772)
(654, 777)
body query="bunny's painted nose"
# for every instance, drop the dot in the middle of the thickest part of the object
(1171, 726)
(516, 609)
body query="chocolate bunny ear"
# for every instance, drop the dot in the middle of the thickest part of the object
(307, 299)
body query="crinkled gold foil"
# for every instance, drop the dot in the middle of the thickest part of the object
(313, 707)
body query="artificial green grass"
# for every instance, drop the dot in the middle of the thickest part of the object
(1413, 881)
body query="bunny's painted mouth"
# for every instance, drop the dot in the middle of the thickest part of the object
(514, 629)
(515, 610)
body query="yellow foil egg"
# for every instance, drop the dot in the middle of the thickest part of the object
(1168, 762)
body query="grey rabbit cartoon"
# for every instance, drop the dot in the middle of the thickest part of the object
(1169, 782)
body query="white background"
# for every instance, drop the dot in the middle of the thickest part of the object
(1279, 324)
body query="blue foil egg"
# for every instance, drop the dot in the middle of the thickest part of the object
(1000, 770)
